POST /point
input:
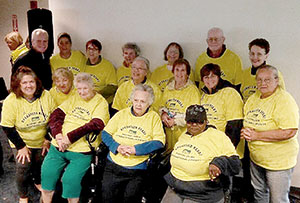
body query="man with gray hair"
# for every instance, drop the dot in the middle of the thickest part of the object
(36, 59)
(217, 53)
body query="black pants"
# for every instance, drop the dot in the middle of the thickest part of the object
(28, 171)
(122, 185)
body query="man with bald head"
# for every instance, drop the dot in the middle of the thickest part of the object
(217, 53)
(36, 59)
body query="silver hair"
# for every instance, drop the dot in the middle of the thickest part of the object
(146, 61)
(215, 29)
(132, 45)
(84, 77)
(269, 67)
(145, 88)
(38, 31)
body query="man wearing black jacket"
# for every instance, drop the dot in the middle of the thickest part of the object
(36, 59)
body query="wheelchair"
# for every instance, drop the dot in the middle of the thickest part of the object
(154, 188)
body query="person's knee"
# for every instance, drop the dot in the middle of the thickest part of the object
(47, 192)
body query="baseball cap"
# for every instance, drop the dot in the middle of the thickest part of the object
(195, 114)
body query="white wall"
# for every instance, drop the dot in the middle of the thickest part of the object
(153, 24)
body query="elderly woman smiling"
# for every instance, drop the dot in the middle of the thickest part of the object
(131, 135)
(270, 126)
(24, 119)
(63, 89)
(83, 113)
(162, 74)
(178, 95)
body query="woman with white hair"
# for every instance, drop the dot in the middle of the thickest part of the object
(85, 112)
(270, 126)
(131, 135)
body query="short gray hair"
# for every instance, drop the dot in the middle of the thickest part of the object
(145, 88)
(215, 29)
(38, 31)
(132, 45)
(269, 67)
(84, 77)
(146, 61)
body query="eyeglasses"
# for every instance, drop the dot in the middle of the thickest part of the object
(92, 49)
(267, 81)
(138, 68)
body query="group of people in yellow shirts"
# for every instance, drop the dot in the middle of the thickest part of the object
(230, 108)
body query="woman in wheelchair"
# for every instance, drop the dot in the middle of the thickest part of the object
(83, 113)
(131, 135)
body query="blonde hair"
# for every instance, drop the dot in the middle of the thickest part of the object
(63, 72)
(14, 36)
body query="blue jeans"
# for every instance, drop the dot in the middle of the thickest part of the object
(270, 186)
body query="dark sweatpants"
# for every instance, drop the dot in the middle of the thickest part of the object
(121, 185)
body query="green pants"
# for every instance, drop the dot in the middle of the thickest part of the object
(74, 164)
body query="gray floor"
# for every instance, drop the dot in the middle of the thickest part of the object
(8, 191)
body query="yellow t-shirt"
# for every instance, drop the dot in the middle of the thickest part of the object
(60, 97)
(192, 154)
(127, 129)
(20, 50)
(229, 62)
(161, 76)
(29, 119)
(122, 97)
(249, 83)
(78, 113)
(74, 63)
(103, 74)
(222, 106)
(176, 102)
(278, 111)
(123, 74)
